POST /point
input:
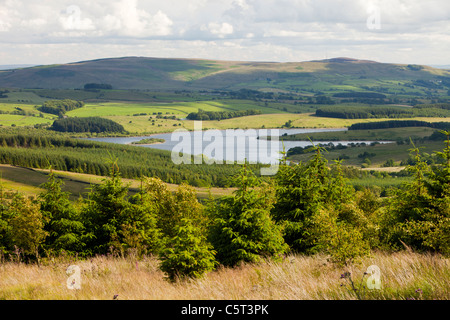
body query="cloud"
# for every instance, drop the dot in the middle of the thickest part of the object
(220, 29)
(7, 14)
(73, 20)
(127, 19)
(283, 30)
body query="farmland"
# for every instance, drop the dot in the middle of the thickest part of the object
(130, 213)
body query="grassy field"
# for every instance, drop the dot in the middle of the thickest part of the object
(404, 275)
(391, 134)
(28, 180)
(141, 124)
(378, 154)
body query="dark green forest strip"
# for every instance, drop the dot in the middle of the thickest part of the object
(63, 153)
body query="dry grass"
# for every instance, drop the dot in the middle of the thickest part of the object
(295, 278)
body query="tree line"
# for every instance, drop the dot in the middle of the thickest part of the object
(41, 148)
(350, 112)
(87, 124)
(370, 95)
(305, 208)
(398, 124)
(220, 115)
(354, 112)
(97, 86)
(60, 107)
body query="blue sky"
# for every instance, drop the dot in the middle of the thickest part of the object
(50, 31)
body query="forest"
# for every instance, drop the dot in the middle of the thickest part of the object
(41, 148)
(398, 124)
(305, 208)
(87, 124)
(367, 112)
(349, 112)
(60, 107)
(220, 115)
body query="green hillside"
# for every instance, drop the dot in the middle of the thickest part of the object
(327, 76)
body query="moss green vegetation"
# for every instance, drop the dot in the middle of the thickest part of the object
(378, 154)
(98, 198)
(392, 134)
(307, 208)
(148, 141)
(42, 148)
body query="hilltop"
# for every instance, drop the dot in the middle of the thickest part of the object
(144, 73)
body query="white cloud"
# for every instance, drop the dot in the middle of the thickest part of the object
(73, 19)
(7, 14)
(282, 30)
(220, 30)
(129, 20)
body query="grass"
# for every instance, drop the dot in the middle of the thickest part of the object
(28, 180)
(377, 134)
(297, 277)
(177, 108)
(378, 154)
(20, 120)
(148, 141)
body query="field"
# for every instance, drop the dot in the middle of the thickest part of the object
(78, 184)
(391, 134)
(404, 275)
(287, 94)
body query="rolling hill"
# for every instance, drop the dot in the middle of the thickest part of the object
(337, 74)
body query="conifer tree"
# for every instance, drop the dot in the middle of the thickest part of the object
(187, 254)
(139, 227)
(419, 214)
(64, 226)
(243, 230)
(105, 211)
(301, 191)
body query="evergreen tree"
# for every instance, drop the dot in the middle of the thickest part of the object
(187, 254)
(301, 191)
(105, 211)
(242, 230)
(418, 215)
(64, 226)
(139, 227)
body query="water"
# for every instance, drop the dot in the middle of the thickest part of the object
(229, 145)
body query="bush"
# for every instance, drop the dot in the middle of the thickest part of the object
(343, 241)
(187, 254)
(243, 230)
(418, 215)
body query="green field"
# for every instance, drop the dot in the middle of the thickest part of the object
(377, 154)
(391, 134)
(29, 180)
(20, 120)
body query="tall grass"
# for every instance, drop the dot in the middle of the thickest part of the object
(404, 275)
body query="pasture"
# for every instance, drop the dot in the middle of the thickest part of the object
(404, 276)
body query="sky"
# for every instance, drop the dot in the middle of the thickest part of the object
(63, 31)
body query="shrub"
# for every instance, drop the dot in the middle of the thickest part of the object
(243, 230)
(187, 253)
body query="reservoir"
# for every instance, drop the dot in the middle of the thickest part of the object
(229, 145)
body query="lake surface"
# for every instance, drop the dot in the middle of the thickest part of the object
(228, 145)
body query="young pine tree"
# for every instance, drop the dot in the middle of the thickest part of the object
(301, 192)
(139, 227)
(187, 254)
(243, 230)
(64, 226)
(105, 212)
(181, 221)
(419, 214)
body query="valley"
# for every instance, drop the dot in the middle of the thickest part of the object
(85, 164)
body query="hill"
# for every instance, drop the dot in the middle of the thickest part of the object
(337, 74)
